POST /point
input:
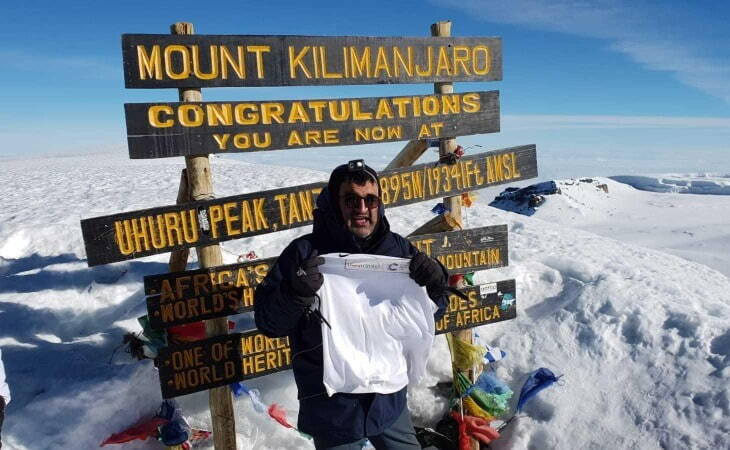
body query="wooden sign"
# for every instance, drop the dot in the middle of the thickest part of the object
(158, 130)
(190, 296)
(200, 365)
(147, 232)
(221, 360)
(486, 303)
(185, 297)
(175, 61)
(235, 357)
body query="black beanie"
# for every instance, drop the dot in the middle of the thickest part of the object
(341, 172)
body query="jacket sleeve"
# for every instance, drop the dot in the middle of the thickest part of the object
(437, 294)
(276, 310)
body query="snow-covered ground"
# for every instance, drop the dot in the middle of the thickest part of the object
(625, 292)
(681, 222)
(686, 184)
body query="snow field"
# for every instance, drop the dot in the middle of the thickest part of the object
(641, 336)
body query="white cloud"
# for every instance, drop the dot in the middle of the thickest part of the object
(681, 38)
(552, 122)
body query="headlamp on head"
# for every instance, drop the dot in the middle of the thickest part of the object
(356, 165)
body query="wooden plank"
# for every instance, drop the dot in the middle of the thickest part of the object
(242, 356)
(200, 365)
(165, 61)
(152, 231)
(159, 130)
(408, 154)
(487, 303)
(194, 295)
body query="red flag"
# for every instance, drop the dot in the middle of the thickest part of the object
(141, 431)
(278, 414)
(475, 427)
(191, 332)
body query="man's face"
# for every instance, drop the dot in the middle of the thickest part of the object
(353, 201)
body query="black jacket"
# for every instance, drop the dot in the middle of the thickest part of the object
(343, 417)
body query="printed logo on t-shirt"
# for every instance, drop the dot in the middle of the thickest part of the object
(379, 266)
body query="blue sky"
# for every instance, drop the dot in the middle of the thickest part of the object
(602, 80)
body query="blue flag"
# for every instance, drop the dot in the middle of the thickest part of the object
(536, 382)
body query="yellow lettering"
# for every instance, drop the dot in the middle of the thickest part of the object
(294, 139)
(271, 111)
(424, 131)
(221, 140)
(184, 115)
(515, 172)
(312, 137)
(123, 238)
(460, 60)
(472, 102)
(384, 109)
(323, 60)
(305, 202)
(429, 58)
(357, 114)
(139, 234)
(331, 136)
(360, 67)
(248, 220)
(443, 62)
(183, 51)
(398, 61)
(153, 115)
(219, 114)
(259, 51)
(381, 63)
(231, 218)
(157, 231)
(149, 65)
(487, 60)
(216, 215)
(189, 227)
(244, 118)
(297, 61)
(318, 107)
(213, 63)
(431, 105)
(344, 110)
(238, 65)
(298, 113)
(281, 198)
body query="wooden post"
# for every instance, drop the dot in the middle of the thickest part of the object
(410, 154)
(452, 217)
(451, 220)
(200, 184)
(453, 204)
(179, 258)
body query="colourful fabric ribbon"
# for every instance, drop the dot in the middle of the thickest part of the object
(278, 414)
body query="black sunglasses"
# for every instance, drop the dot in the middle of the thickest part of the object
(352, 201)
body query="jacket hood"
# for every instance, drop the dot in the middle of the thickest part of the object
(330, 230)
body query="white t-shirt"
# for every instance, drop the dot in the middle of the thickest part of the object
(382, 324)
(4, 389)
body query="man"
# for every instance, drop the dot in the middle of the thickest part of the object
(349, 218)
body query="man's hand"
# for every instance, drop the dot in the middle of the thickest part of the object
(307, 279)
(426, 271)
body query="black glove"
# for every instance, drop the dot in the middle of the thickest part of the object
(426, 271)
(306, 280)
